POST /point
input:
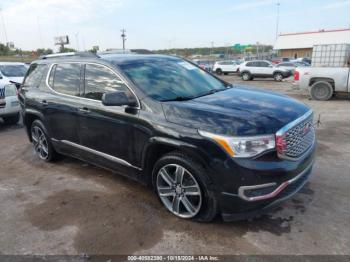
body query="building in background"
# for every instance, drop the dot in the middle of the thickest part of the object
(301, 44)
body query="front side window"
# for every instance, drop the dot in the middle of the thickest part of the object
(65, 78)
(100, 80)
(170, 79)
(35, 75)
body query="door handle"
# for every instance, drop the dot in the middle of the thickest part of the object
(44, 103)
(84, 109)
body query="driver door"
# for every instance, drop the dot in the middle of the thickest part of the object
(107, 132)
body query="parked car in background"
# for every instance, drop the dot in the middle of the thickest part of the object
(304, 60)
(262, 69)
(205, 146)
(13, 71)
(278, 60)
(205, 64)
(291, 65)
(323, 82)
(329, 73)
(9, 105)
(225, 67)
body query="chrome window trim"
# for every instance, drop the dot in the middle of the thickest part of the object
(90, 63)
(274, 193)
(290, 125)
(99, 153)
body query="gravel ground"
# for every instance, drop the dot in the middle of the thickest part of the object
(70, 207)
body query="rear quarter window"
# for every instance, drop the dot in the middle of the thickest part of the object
(35, 76)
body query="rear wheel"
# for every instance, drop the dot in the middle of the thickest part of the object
(41, 141)
(11, 120)
(321, 90)
(246, 76)
(182, 187)
(218, 71)
(278, 77)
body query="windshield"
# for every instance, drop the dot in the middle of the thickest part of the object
(171, 79)
(13, 70)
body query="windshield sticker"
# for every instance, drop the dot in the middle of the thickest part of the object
(187, 65)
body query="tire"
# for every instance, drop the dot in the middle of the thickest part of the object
(218, 71)
(321, 90)
(246, 76)
(42, 142)
(203, 201)
(278, 77)
(11, 120)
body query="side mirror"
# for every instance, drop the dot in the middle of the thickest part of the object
(118, 98)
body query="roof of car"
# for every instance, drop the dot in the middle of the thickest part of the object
(129, 58)
(112, 58)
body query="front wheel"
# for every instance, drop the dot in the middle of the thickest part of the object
(182, 187)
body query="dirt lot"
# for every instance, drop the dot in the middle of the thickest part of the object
(70, 207)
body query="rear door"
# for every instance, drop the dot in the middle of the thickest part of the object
(63, 101)
(266, 69)
(107, 131)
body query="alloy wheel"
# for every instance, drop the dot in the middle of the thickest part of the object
(179, 191)
(40, 143)
(245, 76)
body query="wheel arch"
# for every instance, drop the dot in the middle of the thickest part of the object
(314, 80)
(29, 117)
(159, 146)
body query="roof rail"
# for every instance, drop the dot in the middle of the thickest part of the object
(69, 54)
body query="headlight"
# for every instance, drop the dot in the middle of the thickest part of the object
(243, 146)
(10, 90)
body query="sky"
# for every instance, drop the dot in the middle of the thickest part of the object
(163, 24)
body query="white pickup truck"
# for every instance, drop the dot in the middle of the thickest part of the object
(323, 82)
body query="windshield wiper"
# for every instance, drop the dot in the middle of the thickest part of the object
(213, 91)
(178, 98)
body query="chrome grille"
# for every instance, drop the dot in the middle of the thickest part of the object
(2, 93)
(298, 136)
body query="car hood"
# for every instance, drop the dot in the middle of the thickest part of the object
(16, 79)
(236, 111)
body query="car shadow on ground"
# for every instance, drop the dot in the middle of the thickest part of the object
(128, 217)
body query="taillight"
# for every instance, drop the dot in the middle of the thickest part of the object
(281, 144)
(296, 75)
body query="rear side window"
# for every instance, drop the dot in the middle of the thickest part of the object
(65, 78)
(264, 64)
(100, 80)
(36, 75)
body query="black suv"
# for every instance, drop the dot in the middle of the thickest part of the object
(204, 145)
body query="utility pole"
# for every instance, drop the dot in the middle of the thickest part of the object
(40, 33)
(77, 40)
(277, 18)
(123, 35)
(4, 26)
(212, 47)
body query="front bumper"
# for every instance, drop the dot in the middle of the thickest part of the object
(285, 178)
(292, 187)
(10, 107)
